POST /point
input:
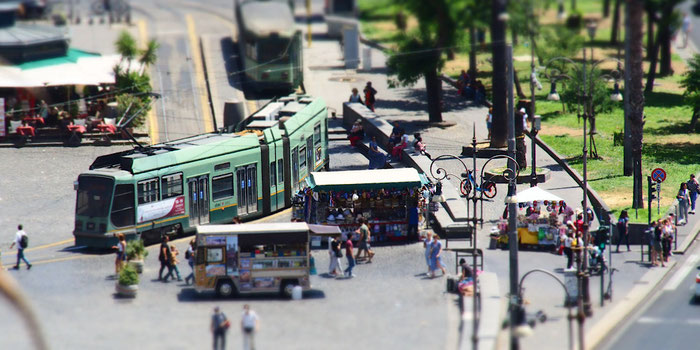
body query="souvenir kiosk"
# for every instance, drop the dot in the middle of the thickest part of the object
(383, 197)
(538, 222)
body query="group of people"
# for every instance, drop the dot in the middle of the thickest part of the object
(250, 323)
(369, 93)
(661, 239)
(168, 258)
(399, 141)
(433, 254)
(572, 237)
(335, 251)
(471, 88)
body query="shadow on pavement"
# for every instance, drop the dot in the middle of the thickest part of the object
(191, 295)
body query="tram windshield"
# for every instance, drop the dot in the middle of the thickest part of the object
(274, 49)
(94, 195)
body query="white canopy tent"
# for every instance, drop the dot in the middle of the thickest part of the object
(85, 71)
(536, 194)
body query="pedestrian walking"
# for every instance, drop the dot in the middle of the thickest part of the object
(370, 93)
(219, 326)
(666, 239)
(250, 323)
(365, 237)
(22, 242)
(163, 257)
(355, 96)
(121, 253)
(436, 256)
(568, 241)
(335, 253)
(489, 120)
(685, 29)
(172, 264)
(349, 256)
(427, 244)
(189, 255)
(693, 189)
(622, 230)
(683, 201)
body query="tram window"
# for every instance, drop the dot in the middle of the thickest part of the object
(171, 185)
(280, 171)
(222, 166)
(215, 255)
(123, 206)
(317, 134)
(222, 186)
(273, 174)
(302, 157)
(148, 191)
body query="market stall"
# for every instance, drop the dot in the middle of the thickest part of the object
(539, 220)
(389, 199)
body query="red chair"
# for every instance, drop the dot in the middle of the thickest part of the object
(27, 131)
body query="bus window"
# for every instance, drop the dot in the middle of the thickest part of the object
(222, 186)
(317, 134)
(148, 191)
(171, 185)
(302, 157)
(273, 174)
(123, 206)
(280, 171)
(93, 196)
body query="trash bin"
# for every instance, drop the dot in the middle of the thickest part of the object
(296, 293)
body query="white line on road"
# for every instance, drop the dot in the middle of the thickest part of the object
(682, 272)
(654, 320)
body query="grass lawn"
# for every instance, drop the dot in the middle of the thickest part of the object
(668, 143)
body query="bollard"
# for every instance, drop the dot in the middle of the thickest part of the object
(296, 293)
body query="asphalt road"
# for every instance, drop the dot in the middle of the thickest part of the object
(671, 317)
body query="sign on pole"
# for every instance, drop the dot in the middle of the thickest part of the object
(658, 175)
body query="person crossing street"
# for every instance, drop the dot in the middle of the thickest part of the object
(22, 242)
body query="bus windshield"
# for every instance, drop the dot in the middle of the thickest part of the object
(274, 49)
(94, 195)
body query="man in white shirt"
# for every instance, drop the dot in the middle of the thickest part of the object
(249, 325)
(21, 240)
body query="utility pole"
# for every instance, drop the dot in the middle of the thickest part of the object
(512, 209)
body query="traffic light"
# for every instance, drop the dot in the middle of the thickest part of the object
(652, 189)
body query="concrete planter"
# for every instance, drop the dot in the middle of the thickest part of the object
(126, 291)
(137, 264)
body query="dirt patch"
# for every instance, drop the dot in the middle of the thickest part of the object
(687, 139)
(557, 130)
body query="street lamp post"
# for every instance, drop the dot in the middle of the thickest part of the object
(569, 317)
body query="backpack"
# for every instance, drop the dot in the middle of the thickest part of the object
(24, 241)
(188, 254)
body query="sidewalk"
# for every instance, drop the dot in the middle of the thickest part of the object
(326, 77)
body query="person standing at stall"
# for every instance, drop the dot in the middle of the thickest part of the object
(568, 240)
(365, 237)
(336, 254)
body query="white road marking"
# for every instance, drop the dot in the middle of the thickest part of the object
(682, 272)
(656, 320)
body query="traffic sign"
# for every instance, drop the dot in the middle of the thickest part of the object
(658, 175)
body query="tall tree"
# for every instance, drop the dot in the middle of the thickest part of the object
(636, 95)
(662, 43)
(691, 84)
(650, 7)
(615, 32)
(606, 8)
(421, 51)
(499, 128)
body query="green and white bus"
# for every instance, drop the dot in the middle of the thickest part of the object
(171, 187)
(269, 45)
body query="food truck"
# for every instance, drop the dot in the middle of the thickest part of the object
(384, 197)
(254, 258)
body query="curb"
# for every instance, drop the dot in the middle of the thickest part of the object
(626, 306)
(688, 239)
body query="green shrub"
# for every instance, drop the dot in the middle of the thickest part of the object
(128, 276)
(136, 250)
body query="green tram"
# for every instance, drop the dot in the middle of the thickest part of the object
(269, 45)
(171, 187)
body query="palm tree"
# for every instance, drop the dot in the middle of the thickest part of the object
(126, 47)
(148, 55)
(636, 96)
(499, 90)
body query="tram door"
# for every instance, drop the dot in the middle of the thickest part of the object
(295, 171)
(199, 199)
(246, 183)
